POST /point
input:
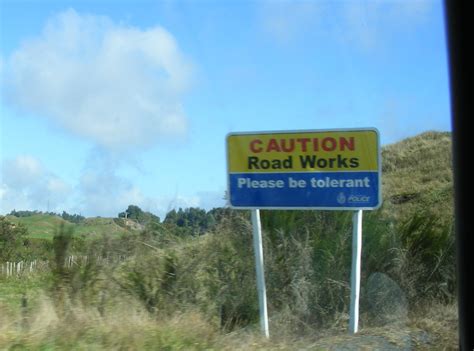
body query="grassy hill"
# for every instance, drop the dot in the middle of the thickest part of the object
(43, 226)
(98, 226)
(40, 226)
(417, 176)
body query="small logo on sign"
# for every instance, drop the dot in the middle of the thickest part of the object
(359, 199)
(341, 198)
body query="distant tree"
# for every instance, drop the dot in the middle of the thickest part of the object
(24, 213)
(137, 214)
(220, 213)
(195, 220)
(171, 217)
(12, 240)
(181, 220)
(75, 218)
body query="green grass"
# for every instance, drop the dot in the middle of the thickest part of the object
(12, 290)
(43, 226)
(96, 227)
(39, 226)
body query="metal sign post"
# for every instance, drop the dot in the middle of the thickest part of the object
(355, 271)
(258, 249)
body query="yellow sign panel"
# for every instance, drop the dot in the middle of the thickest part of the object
(309, 151)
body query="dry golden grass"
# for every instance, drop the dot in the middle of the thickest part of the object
(127, 326)
(441, 322)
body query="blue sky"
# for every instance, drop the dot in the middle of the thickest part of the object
(109, 103)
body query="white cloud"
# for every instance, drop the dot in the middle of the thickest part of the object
(21, 171)
(119, 86)
(26, 185)
(101, 191)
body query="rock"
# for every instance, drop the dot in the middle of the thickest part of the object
(386, 300)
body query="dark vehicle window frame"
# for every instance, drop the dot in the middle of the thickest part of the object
(460, 44)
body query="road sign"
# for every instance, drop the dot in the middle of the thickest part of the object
(315, 169)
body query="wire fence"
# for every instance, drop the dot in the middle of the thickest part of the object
(10, 269)
(22, 268)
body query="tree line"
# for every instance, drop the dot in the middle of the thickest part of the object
(73, 218)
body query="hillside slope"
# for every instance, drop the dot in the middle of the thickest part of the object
(417, 176)
(40, 226)
(44, 226)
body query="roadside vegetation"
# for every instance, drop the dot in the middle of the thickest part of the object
(188, 282)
